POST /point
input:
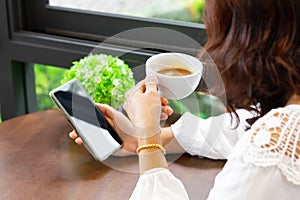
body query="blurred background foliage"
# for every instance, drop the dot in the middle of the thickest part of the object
(191, 12)
(46, 78)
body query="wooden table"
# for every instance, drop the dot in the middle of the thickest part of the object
(39, 161)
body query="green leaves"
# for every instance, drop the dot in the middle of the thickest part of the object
(105, 78)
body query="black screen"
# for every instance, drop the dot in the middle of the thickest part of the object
(83, 108)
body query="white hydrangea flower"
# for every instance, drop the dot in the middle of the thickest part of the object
(114, 92)
(87, 60)
(130, 75)
(119, 62)
(78, 73)
(81, 72)
(98, 68)
(103, 60)
(87, 74)
(123, 70)
(97, 79)
(116, 82)
(119, 97)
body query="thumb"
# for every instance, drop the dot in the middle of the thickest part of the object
(151, 83)
(106, 110)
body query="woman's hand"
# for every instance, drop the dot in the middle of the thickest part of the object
(122, 124)
(143, 106)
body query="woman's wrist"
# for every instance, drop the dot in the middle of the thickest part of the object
(151, 153)
(166, 135)
(169, 141)
(153, 138)
(145, 132)
(150, 144)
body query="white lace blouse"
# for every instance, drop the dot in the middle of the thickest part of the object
(263, 162)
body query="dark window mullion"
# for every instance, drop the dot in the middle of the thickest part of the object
(43, 47)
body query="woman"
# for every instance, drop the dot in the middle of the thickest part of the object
(265, 163)
(255, 45)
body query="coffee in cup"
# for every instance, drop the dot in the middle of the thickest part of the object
(178, 74)
(174, 71)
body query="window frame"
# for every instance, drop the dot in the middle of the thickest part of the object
(34, 32)
(40, 16)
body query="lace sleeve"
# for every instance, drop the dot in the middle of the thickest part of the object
(274, 141)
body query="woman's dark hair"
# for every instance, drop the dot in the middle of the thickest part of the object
(255, 44)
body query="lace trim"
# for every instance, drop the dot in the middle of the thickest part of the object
(275, 141)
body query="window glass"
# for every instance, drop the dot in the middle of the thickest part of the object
(179, 10)
(46, 79)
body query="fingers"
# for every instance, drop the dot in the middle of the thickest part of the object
(147, 85)
(168, 110)
(165, 108)
(79, 141)
(163, 116)
(73, 135)
(106, 110)
(140, 86)
(151, 84)
(163, 101)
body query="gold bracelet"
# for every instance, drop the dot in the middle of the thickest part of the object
(150, 146)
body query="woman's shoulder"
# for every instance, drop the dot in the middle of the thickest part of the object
(274, 140)
(279, 117)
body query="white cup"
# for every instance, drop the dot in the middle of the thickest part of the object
(175, 87)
